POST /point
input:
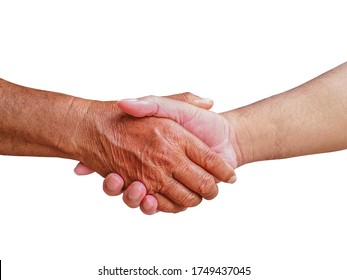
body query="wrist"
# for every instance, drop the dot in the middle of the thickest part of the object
(39, 123)
(240, 136)
(77, 122)
(94, 121)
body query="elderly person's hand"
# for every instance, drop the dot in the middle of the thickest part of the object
(307, 119)
(177, 168)
(211, 128)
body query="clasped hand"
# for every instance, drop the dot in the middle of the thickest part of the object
(177, 168)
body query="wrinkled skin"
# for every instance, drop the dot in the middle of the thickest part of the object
(212, 128)
(215, 130)
(168, 160)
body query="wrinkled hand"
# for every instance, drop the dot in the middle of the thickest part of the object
(168, 160)
(134, 195)
(210, 127)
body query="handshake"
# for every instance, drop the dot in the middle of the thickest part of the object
(169, 157)
(168, 153)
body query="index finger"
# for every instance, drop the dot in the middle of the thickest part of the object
(202, 155)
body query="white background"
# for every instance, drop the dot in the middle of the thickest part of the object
(286, 219)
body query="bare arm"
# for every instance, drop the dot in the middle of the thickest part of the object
(172, 163)
(38, 123)
(308, 119)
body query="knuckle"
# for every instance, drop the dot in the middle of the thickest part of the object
(211, 159)
(151, 97)
(189, 200)
(207, 186)
(187, 96)
(169, 207)
(228, 174)
(180, 195)
(176, 210)
(165, 206)
(182, 165)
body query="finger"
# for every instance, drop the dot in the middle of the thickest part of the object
(190, 117)
(206, 158)
(188, 97)
(181, 194)
(134, 194)
(149, 205)
(158, 107)
(81, 169)
(113, 184)
(183, 113)
(167, 205)
(197, 180)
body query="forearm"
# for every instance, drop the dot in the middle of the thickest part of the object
(38, 123)
(309, 119)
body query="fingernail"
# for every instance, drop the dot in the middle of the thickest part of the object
(110, 186)
(206, 100)
(134, 195)
(147, 205)
(232, 179)
(130, 100)
(137, 101)
(113, 182)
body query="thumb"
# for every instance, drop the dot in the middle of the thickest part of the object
(178, 111)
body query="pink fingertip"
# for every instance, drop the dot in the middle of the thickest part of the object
(81, 169)
(114, 182)
(76, 170)
(149, 205)
(136, 192)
